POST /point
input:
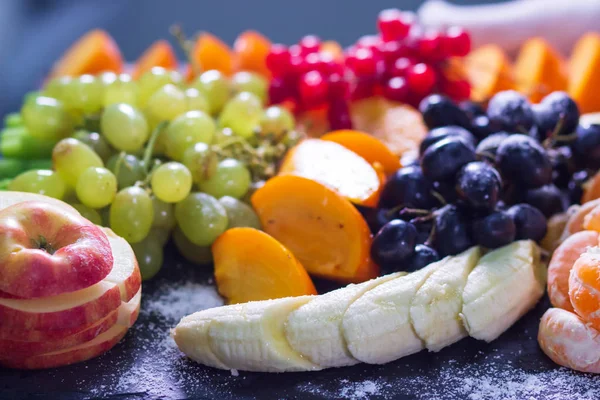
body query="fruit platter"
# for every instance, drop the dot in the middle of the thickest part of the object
(410, 217)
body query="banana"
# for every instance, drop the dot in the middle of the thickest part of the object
(505, 284)
(436, 306)
(314, 329)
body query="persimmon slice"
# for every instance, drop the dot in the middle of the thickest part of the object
(210, 52)
(489, 72)
(160, 54)
(251, 265)
(336, 167)
(584, 73)
(251, 49)
(321, 228)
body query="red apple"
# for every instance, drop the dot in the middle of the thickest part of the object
(47, 251)
(8, 199)
(126, 272)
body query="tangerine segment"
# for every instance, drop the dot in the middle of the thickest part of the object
(336, 167)
(561, 264)
(591, 221)
(591, 189)
(251, 50)
(251, 265)
(584, 286)
(321, 228)
(93, 53)
(160, 54)
(368, 147)
(577, 217)
(569, 341)
(210, 52)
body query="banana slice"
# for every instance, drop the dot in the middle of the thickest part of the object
(314, 329)
(437, 304)
(377, 326)
(504, 285)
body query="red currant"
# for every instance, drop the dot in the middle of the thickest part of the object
(278, 59)
(396, 89)
(391, 51)
(314, 61)
(338, 87)
(339, 115)
(309, 44)
(421, 78)
(362, 62)
(394, 24)
(430, 46)
(280, 90)
(371, 42)
(313, 89)
(458, 41)
(401, 66)
(298, 66)
(363, 88)
(457, 90)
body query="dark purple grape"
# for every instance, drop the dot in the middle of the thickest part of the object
(394, 243)
(511, 111)
(575, 186)
(563, 165)
(481, 127)
(451, 234)
(472, 109)
(423, 256)
(555, 107)
(409, 188)
(437, 134)
(424, 227)
(376, 217)
(487, 148)
(478, 184)
(442, 160)
(529, 222)
(548, 199)
(439, 111)
(523, 161)
(446, 190)
(586, 146)
(494, 230)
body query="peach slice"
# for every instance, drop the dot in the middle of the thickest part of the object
(569, 341)
(80, 308)
(127, 315)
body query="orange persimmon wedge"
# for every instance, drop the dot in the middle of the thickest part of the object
(334, 49)
(210, 52)
(160, 54)
(251, 49)
(251, 265)
(323, 229)
(336, 167)
(584, 73)
(539, 70)
(94, 52)
(489, 71)
(368, 147)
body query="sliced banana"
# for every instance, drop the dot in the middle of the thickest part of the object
(504, 285)
(437, 304)
(315, 331)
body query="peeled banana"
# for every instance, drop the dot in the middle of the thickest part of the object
(374, 322)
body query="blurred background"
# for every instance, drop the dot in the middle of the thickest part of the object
(34, 33)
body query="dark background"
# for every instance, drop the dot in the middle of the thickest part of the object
(34, 33)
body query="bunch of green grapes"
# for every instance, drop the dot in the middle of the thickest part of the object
(150, 158)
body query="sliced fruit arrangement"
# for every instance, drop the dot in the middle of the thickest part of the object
(374, 322)
(80, 299)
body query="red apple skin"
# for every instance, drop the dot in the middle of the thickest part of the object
(81, 252)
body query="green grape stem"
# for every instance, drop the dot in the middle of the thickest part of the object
(187, 46)
(150, 147)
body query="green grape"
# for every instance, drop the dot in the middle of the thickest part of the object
(231, 178)
(39, 164)
(186, 130)
(149, 254)
(18, 143)
(96, 142)
(131, 214)
(215, 88)
(41, 181)
(201, 161)
(223, 135)
(201, 218)
(88, 213)
(196, 100)
(164, 215)
(124, 127)
(166, 103)
(11, 167)
(250, 82)
(12, 120)
(200, 255)
(121, 91)
(96, 187)
(242, 114)
(160, 235)
(47, 118)
(128, 170)
(153, 80)
(239, 213)
(84, 94)
(277, 120)
(71, 157)
(58, 87)
(171, 182)
(107, 78)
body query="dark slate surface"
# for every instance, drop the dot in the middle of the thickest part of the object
(146, 365)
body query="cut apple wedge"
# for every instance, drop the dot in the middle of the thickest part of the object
(126, 317)
(80, 308)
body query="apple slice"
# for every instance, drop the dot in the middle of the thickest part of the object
(76, 309)
(127, 315)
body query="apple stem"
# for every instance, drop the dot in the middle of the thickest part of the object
(43, 244)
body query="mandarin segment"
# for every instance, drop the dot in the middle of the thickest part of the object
(584, 286)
